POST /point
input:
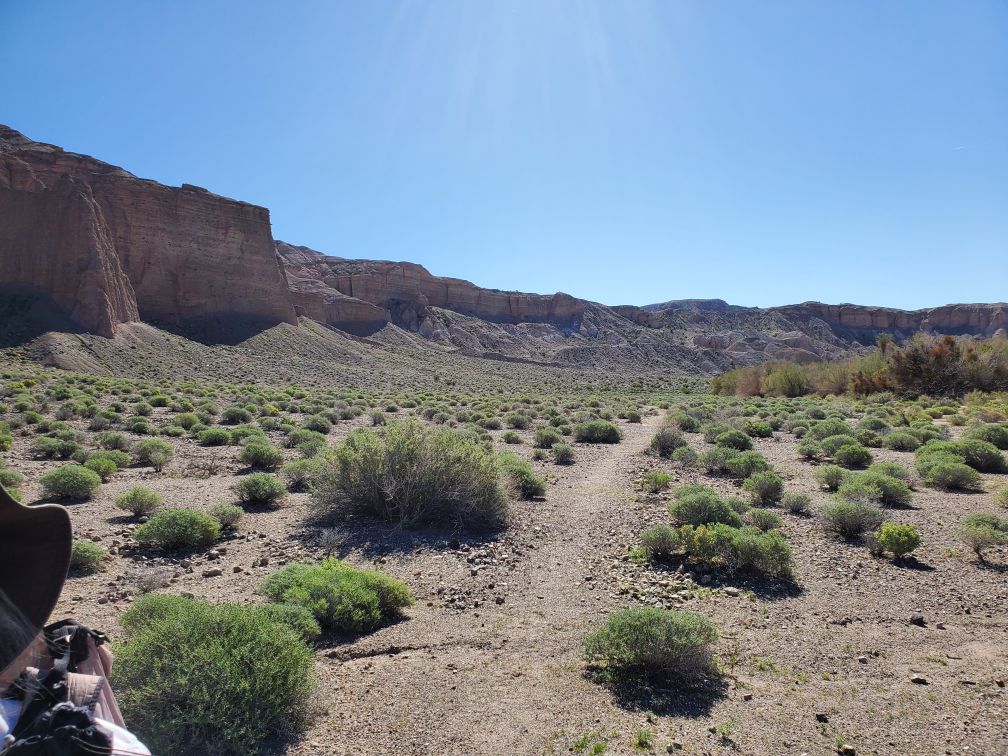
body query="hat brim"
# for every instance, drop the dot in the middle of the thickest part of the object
(35, 546)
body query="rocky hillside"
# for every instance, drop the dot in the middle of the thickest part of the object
(88, 247)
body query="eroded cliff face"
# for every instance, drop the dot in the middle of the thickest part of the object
(861, 322)
(403, 292)
(109, 248)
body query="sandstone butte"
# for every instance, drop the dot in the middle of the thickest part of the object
(104, 247)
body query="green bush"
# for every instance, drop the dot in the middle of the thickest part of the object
(298, 618)
(900, 539)
(87, 556)
(810, 449)
(517, 420)
(112, 440)
(1000, 498)
(666, 441)
(655, 481)
(764, 487)
(510, 437)
(119, 458)
(850, 520)
(228, 515)
(298, 474)
(152, 451)
(178, 530)
(796, 502)
(953, 476)
(597, 432)
(717, 459)
(520, 477)
(545, 438)
(684, 422)
(244, 676)
(700, 505)
(829, 427)
(992, 434)
(892, 491)
(343, 600)
(830, 477)
(213, 437)
(139, 501)
(901, 441)
(563, 454)
(746, 464)
(980, 455)
(659, 541)
(10, 478)
(980, 531)
(892, 469)
(261, 455)
(260, 489)
(852, 456)
(412, 475)
(764, 519)
(832, 444)
(71, 482)
(734, 439)
(647, 642)
(105, 468)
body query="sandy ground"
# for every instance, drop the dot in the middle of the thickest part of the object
(489, 659)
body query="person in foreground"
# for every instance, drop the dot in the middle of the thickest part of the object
(55, 698)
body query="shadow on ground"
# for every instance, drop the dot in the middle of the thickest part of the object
(693, 700)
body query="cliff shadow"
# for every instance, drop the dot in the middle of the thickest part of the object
(217, 330)
(26, 314)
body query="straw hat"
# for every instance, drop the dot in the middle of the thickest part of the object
(35, 545)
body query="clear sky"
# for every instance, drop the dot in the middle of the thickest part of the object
(759, 151)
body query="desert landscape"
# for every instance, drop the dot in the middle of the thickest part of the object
(511, 377)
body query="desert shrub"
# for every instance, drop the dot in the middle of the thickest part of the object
(831, 444)
(298, 618)
(245, 675)
(1000, 498)
(520, 477)
(178, 530)
(830, 477)
(852, 456)
(153, 452)
(734, 439)
(953, 476)
(186, 420)
(980, 455)
(409, 474)
(318, 423)
(759, 429)
(235, 414)
(545, 438)
(510, 437)
(298, 474)
(892, 469)
(684, 422)
(71, 482)
(52, 447)
(259, 489)
(747, 463)
(666, 441)
(997, 435)
(655, 481)
(10, 478)
(139, 501)
(764, 519)
(87, 556)
(851, 519)
(711, 431)
(659, 541)
(876, 424)
(699, 505)
(980, 531)
(684, 456)
(810, 449)
(823, 429)
(892, 491)
(491, 423)
(717, 459)
(214, 437)
(119, 458)
(751, 550)
(764, 487)
(901, 441)
(899, 539)
(796, 502)
(597, 432)
(228, 515)
(343, 599)
(652, 643)
(105, 468)
(261, 455)
(517, 420)
(856, 489)
(563, 454)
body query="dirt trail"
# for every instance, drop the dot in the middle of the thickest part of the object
(500, 678)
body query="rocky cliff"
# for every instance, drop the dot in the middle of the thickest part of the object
(107, 247)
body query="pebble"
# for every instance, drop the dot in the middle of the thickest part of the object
(215, 572)
(917, 618)
(918, 680)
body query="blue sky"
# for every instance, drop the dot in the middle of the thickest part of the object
(628, 152)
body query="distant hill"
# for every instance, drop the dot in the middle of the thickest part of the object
(89, 247)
